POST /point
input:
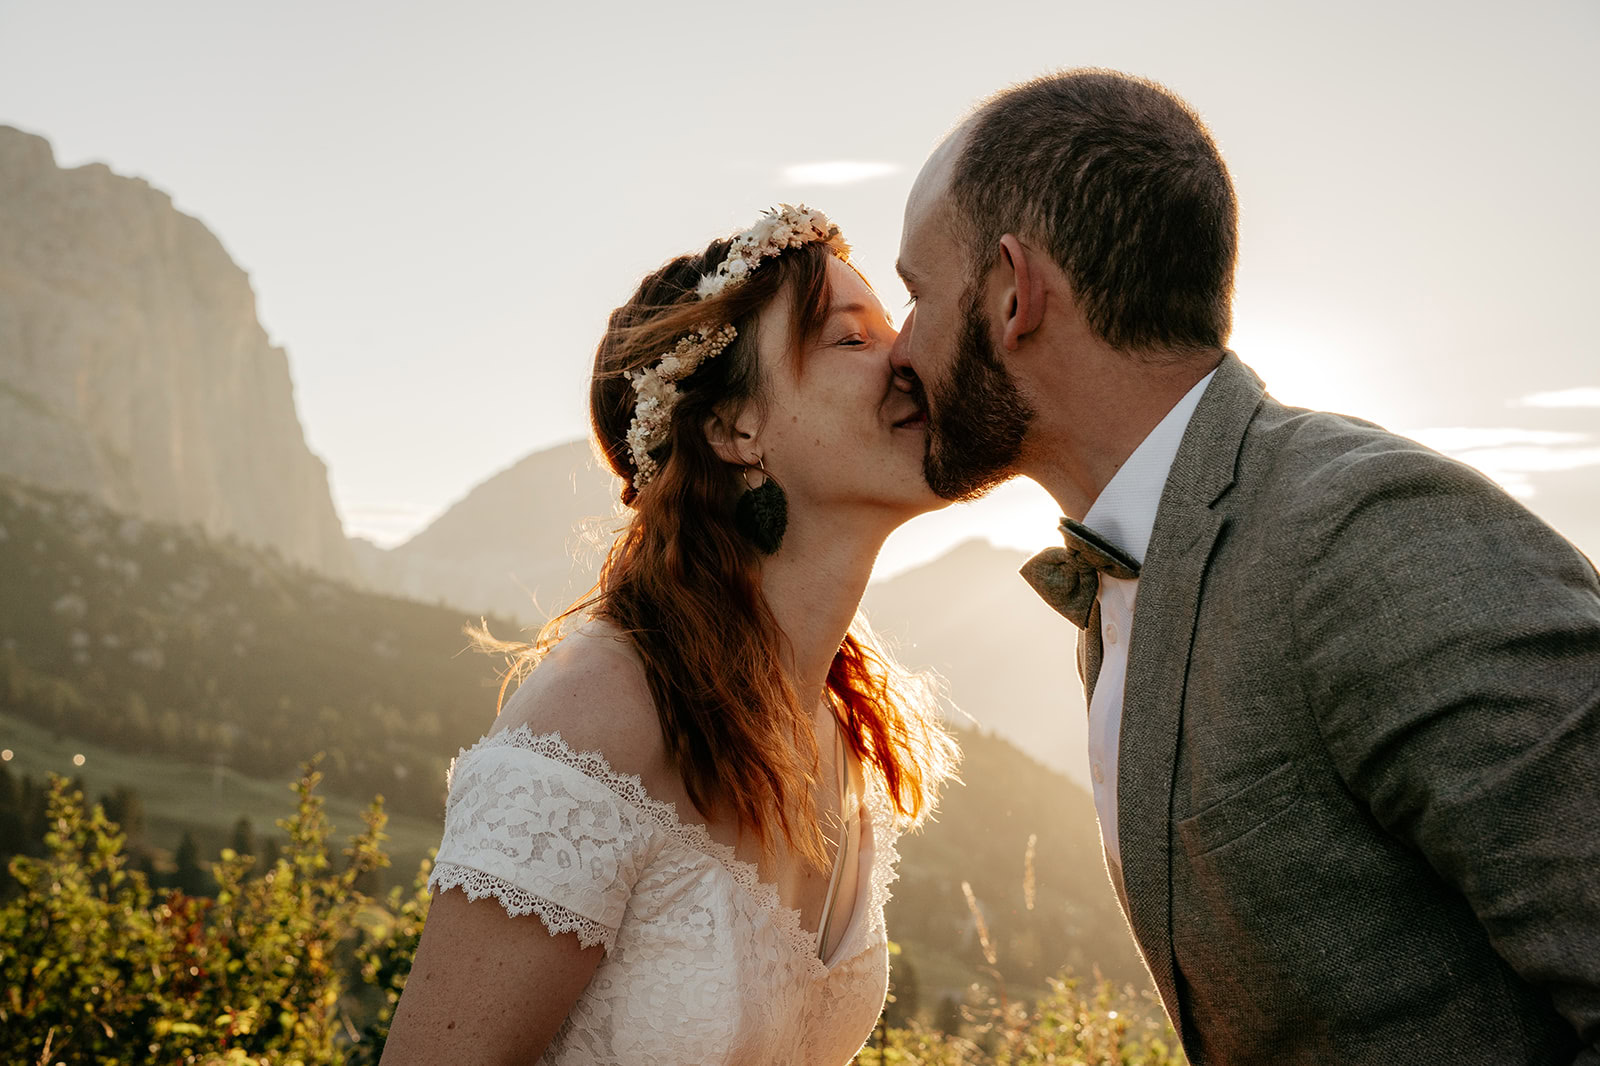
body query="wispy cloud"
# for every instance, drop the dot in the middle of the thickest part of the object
(1584, 396)
(837, 172)
(1455, 439)
(1511, 456)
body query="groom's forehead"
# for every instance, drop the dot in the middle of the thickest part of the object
(933, 181)
(928, 207)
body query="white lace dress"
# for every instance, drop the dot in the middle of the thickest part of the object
(703, 963)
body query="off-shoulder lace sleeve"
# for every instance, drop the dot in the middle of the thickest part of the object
(543, 830)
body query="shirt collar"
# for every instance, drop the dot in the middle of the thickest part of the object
(1125, 511)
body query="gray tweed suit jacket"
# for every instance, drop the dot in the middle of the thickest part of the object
(1359, 789)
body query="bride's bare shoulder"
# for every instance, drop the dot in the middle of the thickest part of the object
(591, 688)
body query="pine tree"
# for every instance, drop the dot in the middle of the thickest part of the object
(33, 805)
(10, 791)
(244, 839)
(12, 836)
(269, 855)
(125, 807)
(190, 878)
(904, 991)
(947, 1019)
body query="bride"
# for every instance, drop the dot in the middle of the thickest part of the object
(675, 845)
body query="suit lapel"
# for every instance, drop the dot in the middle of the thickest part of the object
(1185, 534)
(1152, 705)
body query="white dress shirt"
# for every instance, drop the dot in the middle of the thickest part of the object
(1125, 514)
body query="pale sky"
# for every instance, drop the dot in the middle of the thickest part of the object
(439, 204)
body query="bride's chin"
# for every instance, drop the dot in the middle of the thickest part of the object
(931, 502)
(922, 501)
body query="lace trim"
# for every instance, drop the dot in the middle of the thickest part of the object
(517, 902)
(885, 856)
(696, 837)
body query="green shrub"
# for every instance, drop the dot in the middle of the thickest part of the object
(98, 969)
(290, 963)
(1071, 1026)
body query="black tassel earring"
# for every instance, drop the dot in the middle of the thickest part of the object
(762, 513)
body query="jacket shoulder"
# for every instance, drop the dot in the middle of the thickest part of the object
(1324, 478)
(1320, 459)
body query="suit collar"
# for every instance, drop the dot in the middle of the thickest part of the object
(1207, 459)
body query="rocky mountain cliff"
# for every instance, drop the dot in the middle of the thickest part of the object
(133, 368)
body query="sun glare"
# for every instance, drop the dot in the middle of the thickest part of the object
(1305, 368)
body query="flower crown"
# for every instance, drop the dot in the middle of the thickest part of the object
(655, 386)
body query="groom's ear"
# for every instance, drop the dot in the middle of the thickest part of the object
(1024, 290)
(732, 442)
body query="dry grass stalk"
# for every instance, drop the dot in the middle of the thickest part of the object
(982, 926)
(1028, 884)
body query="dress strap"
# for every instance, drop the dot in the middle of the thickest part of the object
(847, 841)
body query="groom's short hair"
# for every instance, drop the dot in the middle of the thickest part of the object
(1122, 183)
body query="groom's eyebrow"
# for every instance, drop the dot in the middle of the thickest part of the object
(906, 276)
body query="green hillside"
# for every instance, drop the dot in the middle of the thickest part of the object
(151, 640)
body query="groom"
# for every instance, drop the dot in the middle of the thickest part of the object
(1344, 693)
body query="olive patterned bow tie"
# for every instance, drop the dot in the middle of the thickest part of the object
(1068, 578)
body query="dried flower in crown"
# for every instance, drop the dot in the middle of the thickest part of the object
(654, 386)
(657, 393)
(778, 229)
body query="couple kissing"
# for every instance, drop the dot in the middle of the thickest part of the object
(1343, 692)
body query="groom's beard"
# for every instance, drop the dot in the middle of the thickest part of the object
(977, 420)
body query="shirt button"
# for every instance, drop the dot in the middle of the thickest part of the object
(1111, 632)
(1099, 776)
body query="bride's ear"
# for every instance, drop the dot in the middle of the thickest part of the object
(734, 443)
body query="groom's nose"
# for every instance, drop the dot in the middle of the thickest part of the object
(905, 378)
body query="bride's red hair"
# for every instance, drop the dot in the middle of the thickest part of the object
(685, 586)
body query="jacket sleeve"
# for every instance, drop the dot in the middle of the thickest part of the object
(1451, 642)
